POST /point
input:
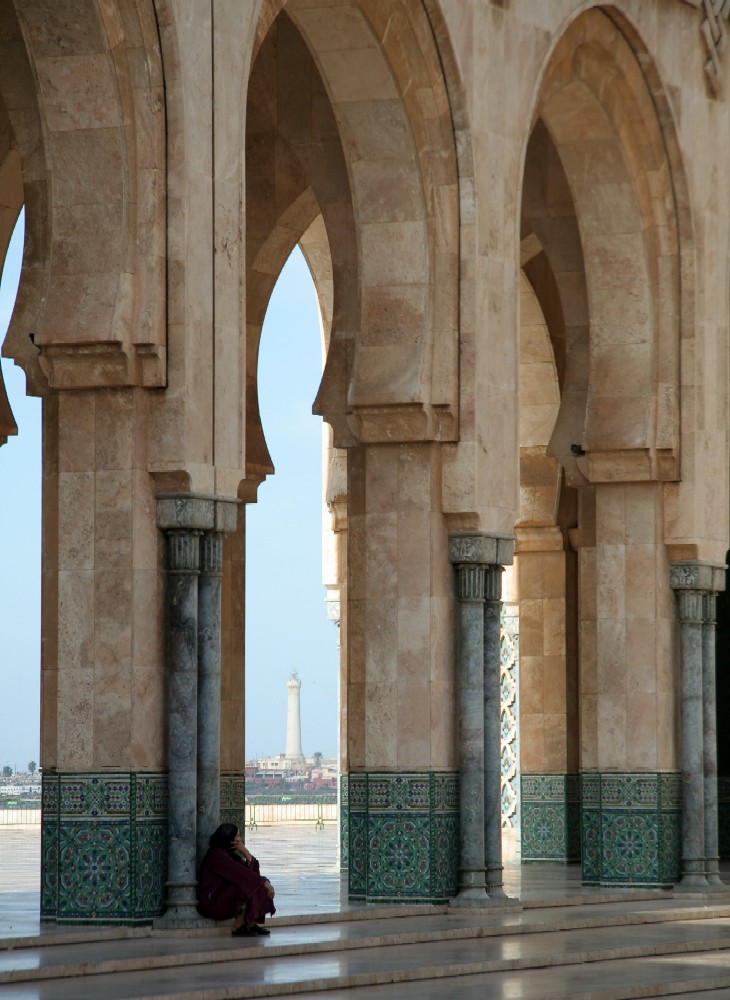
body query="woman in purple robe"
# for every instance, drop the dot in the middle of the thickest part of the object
(231, 884)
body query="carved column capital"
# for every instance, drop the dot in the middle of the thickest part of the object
(493, 583)
(695, 574)
(471, 582)
(211, 553)
(183, 551)
(483, 549)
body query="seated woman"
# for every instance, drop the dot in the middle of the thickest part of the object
(231, 884)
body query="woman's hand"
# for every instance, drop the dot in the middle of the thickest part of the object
(269, 888)
(238, 845)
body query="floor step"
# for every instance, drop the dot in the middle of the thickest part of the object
(438, 952)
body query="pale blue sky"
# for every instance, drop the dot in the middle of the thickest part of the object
(286, 615)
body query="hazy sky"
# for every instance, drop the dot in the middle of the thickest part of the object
(287, 626)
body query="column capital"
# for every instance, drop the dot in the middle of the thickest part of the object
(691, 606)
(480, 548)
(183, 551)
(493, 583)
(202, 511)
(211, 553)
(694, 574)
(471, 582)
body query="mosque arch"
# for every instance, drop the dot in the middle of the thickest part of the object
(91, 287)
(613, 137)
(393, 360)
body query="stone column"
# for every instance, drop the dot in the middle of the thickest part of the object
(709, 714)
(694, 583)
(472, 882)
(478, 560)
(193, 634)
(209, 672)
(182, 670)
(209, 688)
(492, 733)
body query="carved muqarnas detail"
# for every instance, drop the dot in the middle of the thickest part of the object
(714, 32)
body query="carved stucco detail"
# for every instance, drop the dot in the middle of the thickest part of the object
(714, 33)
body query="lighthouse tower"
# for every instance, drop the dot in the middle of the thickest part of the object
(293, 722)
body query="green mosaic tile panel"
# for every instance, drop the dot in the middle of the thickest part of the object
(403, 836)
(344, 822)
(550, 817)
(445, 855)
(723, 816)
(631, 829)
(357, 881)
(233, 798)
(103, 848)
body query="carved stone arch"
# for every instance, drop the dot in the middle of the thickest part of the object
(395, 377)
(598, 102)
(263, 273)
(539, 404)
(24, 182)
(94, 192)
(552, 259)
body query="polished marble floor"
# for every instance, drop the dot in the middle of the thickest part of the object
(559, 943)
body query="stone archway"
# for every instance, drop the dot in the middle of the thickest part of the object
(605, 262)
(370, 156)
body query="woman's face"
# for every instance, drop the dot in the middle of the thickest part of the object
(237, 843)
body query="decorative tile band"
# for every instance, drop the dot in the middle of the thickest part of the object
(723, 816)
(550, 826)
(509, 673)
(103, 847)
(403, 836)
(631, 828)
(344, 823)
(233, 798)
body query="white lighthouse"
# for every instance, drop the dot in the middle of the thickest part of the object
(294, 754)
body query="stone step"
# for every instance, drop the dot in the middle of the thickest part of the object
(327, 956)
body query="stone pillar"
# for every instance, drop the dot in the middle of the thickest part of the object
(182, 603)
(209, 688)
(478, 560)
(492, 733)
(472, 881)
(694, 583)
(194, 526)
(209, 672)
(709, 716)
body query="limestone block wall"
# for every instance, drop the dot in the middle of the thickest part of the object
(102, 684)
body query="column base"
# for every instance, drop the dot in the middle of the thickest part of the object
(181, 910)
(403, 837)
(694, 878)
(712, 873)
(470, 897)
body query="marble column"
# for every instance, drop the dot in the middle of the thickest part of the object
(694, 582)
(478, 560)
(709, 714)
(209, 671)
(492, 733)
(209, 688)
(182, 589)
(472, 881)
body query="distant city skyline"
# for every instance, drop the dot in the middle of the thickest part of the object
(287, 626)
